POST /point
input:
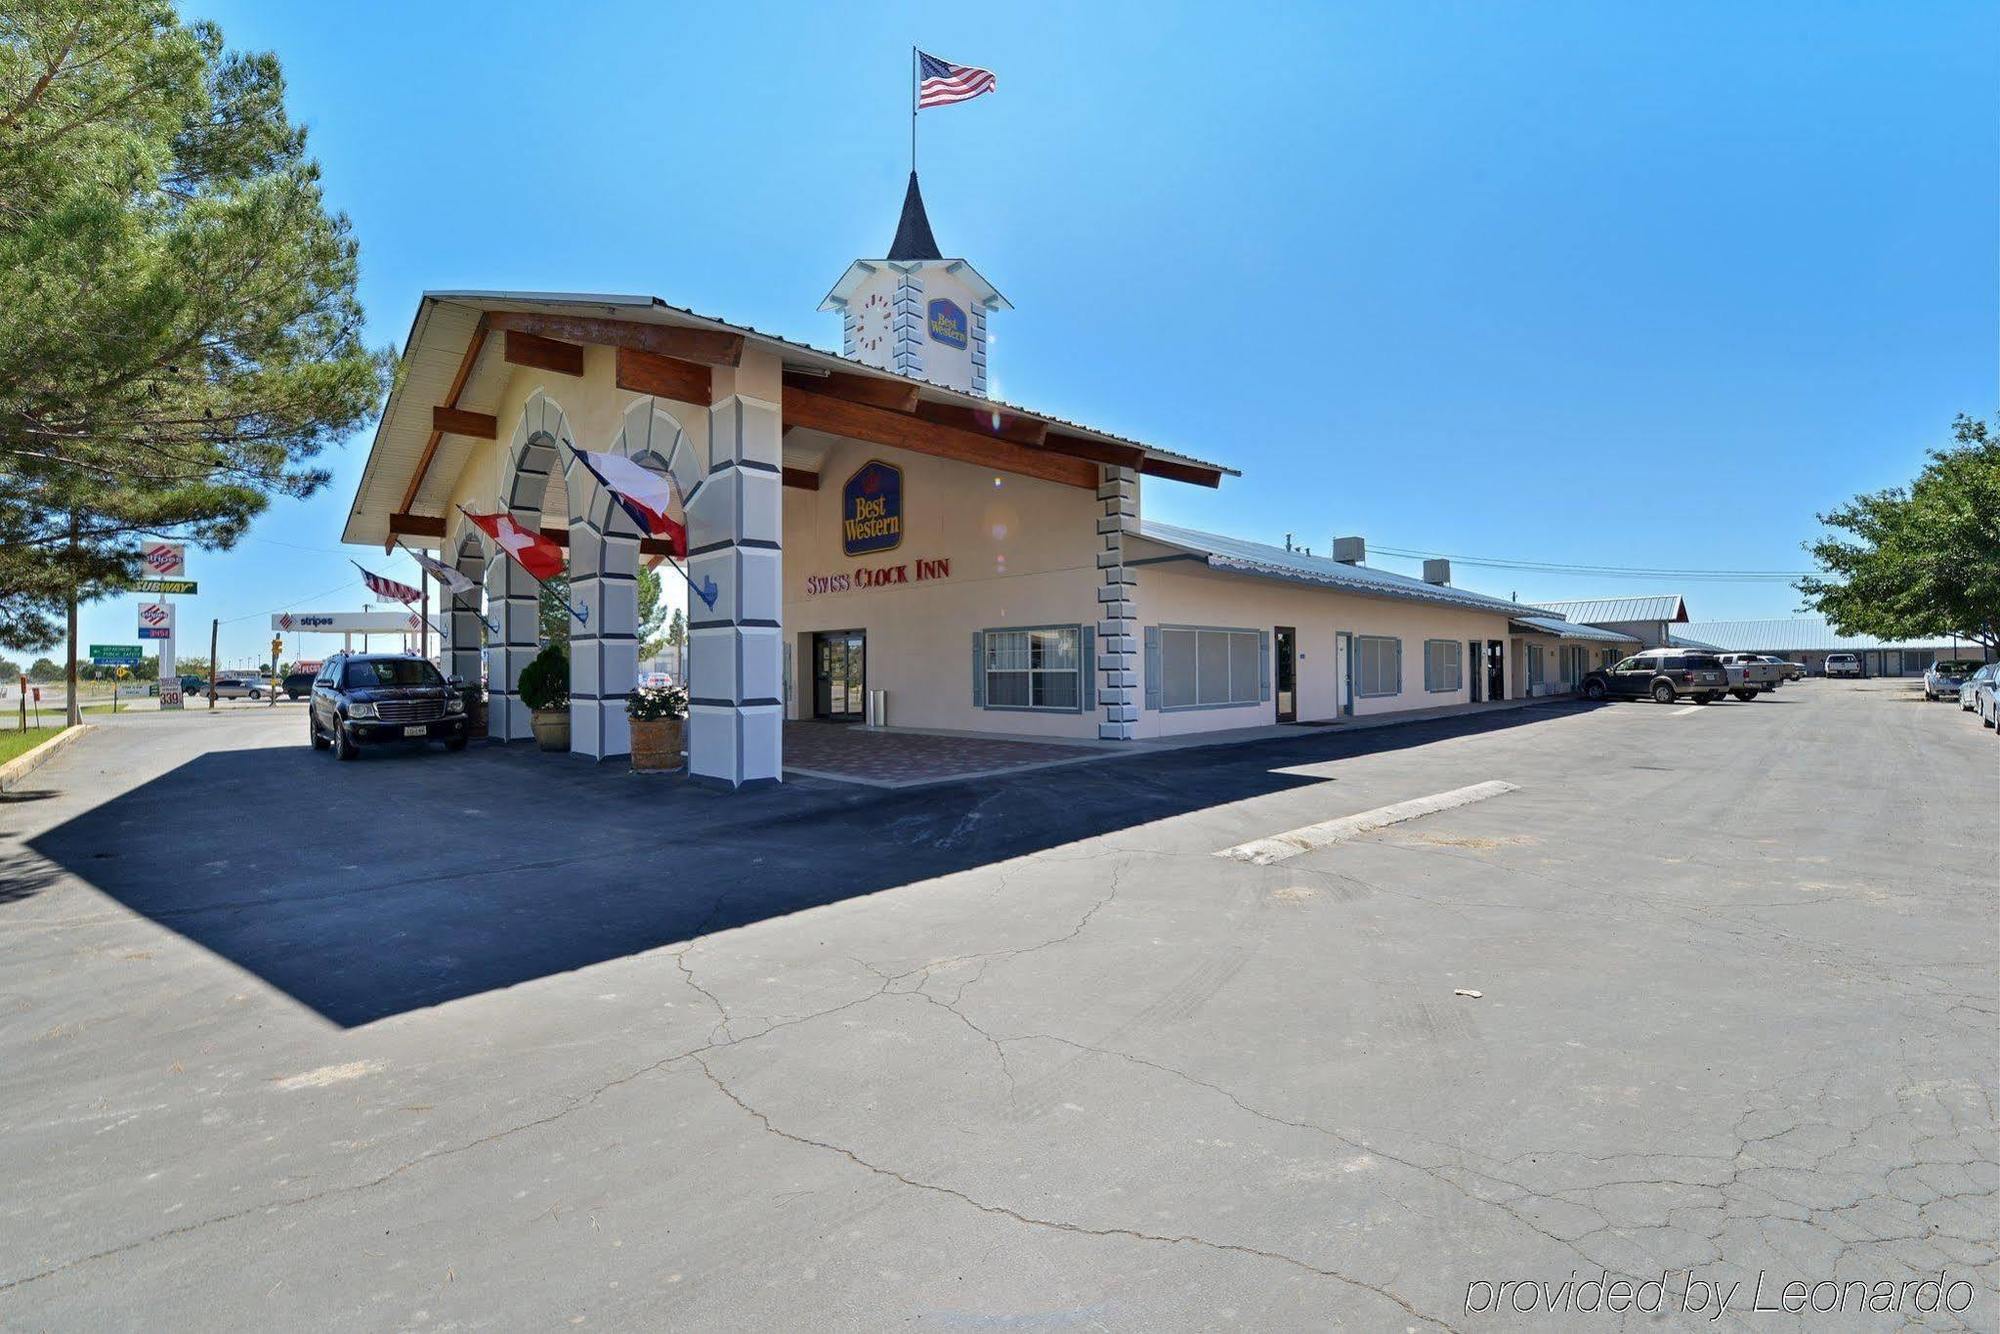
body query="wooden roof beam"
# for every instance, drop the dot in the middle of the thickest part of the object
(882, 426)
(545, 354)
(465, 365)
(897, 395)
(457, 421)
(709, 347)
(666, 377)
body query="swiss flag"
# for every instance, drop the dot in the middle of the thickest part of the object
(530, 550)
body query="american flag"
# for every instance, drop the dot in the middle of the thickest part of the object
(943, 83)
(388, 588)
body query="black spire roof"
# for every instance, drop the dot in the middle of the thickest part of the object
(913, 229)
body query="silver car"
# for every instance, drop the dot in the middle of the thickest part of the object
(1944, 678)
(1977, 694)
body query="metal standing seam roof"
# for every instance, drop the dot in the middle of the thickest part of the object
(1799, 634)
(1596, 611)
(1555, 625)
(1256, 558)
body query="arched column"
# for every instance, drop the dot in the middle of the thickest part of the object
(604, 577)
(465, 622)
(513, 598)
(736, 654)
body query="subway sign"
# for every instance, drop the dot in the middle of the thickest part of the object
(947, 324)
(871, 509)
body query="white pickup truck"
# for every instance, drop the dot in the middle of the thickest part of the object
(1750, 674)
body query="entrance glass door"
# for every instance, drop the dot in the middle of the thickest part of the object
(840, 660)
(1284, 643)
(1496, 669)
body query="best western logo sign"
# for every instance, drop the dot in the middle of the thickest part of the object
(947, 324)
(871, 510)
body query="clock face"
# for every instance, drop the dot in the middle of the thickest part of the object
(871, 325)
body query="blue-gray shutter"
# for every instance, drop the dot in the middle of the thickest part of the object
(978, 669)
(1153, 667)
(1399, 668)
(1264, 665)
(1430, 682)
(1089, 652)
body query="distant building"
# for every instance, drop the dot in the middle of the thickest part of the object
(1808, 639)
(1643, 618)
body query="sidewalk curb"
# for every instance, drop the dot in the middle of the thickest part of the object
(21, 766)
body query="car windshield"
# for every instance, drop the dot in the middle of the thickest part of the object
(1956, 668)
(392, 672)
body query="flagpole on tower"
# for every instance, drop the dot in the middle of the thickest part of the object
(913, 111)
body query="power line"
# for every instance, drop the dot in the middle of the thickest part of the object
(1605, 571)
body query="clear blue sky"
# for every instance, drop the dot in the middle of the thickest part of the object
(1581, 283)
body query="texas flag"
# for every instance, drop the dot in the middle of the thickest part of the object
(646, 496)
(530, 550)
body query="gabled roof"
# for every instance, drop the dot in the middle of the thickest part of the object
(1798, 634)
(1561, 629)
(445, 330)
(1235, 555)
(1597, 611)
(913, 228)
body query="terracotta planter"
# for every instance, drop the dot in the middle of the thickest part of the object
(552, 729)
(656, 743)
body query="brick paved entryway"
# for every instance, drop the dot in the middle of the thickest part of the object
(900, 759)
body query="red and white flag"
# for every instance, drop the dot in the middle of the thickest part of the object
(645, 495)
(941, 83)
(530, 550)
(388, 588)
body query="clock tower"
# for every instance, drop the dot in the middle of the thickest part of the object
(915, 312)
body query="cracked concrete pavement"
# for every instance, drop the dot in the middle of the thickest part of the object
(503, 1040)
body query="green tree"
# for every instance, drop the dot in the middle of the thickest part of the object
(10, 671)
(677, 632)
(1920, 562)
(552, 611)
(652, 612)
(179, 335)
(44, 670)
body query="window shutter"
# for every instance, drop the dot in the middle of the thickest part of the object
(978, 669)
(1430, 674)
(1399, 669)
(1153, 667)
(1263, 665)
(1089, 656)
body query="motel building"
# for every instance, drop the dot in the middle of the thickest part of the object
(880, 534)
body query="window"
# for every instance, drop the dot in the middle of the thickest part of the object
(1203, 668)
(1534, 666)
(1034, 669)
(392, 672)
(1378, 665)
(1443, 667)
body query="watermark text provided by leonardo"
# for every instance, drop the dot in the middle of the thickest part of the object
(1686, 1292)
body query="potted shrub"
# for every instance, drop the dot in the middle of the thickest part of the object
(545, 690)
(659, 721)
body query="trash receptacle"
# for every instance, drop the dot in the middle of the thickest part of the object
(875, 711)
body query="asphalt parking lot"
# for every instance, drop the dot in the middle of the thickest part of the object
(506, 1041)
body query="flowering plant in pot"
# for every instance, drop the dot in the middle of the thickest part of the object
(659, 720)
(545, 690)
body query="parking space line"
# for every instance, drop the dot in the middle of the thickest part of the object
(1692, 708)
(1264, 851)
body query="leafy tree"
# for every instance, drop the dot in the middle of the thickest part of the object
(44, 670)
(179, 335)
(10, 671)
(1919, 562)
(652, 612)
(552, 612)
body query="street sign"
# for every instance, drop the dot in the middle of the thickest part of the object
(187, 586)
(156, 620)
(108, 655)
(163, 560)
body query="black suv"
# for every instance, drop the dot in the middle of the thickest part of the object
(298, 684)
(1661, 674)
(362, 698)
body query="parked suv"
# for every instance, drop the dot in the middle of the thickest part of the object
(1660, 674)
(1756, 674)
(1843, 664)
(298, 684)
(360, 699)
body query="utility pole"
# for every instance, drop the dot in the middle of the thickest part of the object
(424, 613)
(74, 711)
(277, 647)
(213, 626)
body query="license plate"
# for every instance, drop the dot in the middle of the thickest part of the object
(416, 731)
